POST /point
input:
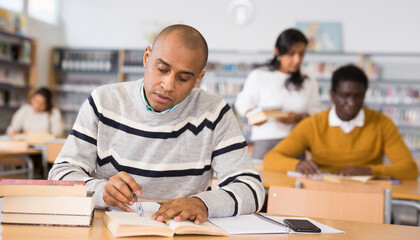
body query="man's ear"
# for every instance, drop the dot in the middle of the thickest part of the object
(146, 55)
(200, 76)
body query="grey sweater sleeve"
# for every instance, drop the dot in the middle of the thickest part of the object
(240, 190)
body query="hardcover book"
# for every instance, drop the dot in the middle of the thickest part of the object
(260, 115)
(49, 210)
(30, 187)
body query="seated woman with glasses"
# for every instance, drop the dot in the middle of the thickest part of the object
(347, 139)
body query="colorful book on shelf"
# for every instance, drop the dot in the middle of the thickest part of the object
(49, 210)
(125, 224)
(31, 187)
(259, 115)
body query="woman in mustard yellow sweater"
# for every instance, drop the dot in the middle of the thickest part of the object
(346, 139)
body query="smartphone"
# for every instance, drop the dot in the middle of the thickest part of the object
(301, 225)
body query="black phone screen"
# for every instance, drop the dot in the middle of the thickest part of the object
(301, 225)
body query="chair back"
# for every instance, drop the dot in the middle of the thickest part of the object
(340, 205)
(52, 149)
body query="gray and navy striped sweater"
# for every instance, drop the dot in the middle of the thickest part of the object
(170, 155)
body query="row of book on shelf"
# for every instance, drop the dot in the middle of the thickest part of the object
(16, 52)
(321, 70)
(391, 94)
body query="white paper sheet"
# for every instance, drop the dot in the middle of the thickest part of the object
(247, 224)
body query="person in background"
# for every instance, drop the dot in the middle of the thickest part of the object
(39, 115)
(162, 138)
(347, 139)
(280, 84)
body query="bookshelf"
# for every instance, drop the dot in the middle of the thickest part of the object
(76, 72)
(17, 73)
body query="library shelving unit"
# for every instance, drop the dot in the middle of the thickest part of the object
(76, 72)
(17, 73)
(132, 67)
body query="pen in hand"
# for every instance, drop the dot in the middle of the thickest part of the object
(139, 206)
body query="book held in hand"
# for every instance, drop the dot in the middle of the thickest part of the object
(259, 115)
(124, 224)
(31, 187)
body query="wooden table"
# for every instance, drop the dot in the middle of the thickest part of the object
(408, 189)
(353, 230)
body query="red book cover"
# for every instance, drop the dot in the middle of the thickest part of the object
(40, 182)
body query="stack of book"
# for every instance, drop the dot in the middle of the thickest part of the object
(46, 202)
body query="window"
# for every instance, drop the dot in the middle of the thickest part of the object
(44, 10)
(12, 5)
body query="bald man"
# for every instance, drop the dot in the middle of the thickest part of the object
(162, 138)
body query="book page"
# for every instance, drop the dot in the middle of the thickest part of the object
(188, 227)
(148, 207)
(247, 224)
(131, 218)
(124, 224)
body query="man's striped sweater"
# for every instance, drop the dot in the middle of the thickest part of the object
(170, 155)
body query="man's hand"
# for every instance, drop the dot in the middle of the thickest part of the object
(119, 191)
(308, 168)
(191, 208)
(354, 171)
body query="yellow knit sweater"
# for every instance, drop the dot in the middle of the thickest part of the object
(332, 149)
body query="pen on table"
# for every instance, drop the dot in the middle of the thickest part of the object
(273, 221)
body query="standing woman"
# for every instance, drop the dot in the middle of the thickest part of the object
(280, 84)
(39, 115)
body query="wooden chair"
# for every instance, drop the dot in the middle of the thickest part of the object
(51, 149)
(333, 201)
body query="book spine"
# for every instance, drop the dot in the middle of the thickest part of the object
(40, 182)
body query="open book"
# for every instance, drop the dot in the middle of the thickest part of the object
(329, 177)
(259, 115)
(124, 224)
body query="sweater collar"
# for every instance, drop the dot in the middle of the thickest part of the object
(346, 126)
